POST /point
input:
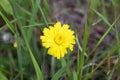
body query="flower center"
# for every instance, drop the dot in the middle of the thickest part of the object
(59, 39)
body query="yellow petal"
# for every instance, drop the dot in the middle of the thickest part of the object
(57, 25)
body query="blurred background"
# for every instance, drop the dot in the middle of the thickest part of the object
(96, 26)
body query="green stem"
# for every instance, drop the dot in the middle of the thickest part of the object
(52, 66)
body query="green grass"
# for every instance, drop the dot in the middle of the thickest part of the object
(30, 61)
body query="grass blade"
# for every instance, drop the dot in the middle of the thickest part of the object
(11, 27)
(6, 6)
(2, 76)
(74, 75)
(61, 71)
(105, 34)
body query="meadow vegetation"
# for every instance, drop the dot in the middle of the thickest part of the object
(92, 42)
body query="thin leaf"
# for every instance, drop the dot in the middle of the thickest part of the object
(105, 34)
(11, 27)
(2, 76)
(6, 6)
(61, 71)
(79, 46)
(74, 75)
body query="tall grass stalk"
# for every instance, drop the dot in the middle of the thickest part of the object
(88, 24)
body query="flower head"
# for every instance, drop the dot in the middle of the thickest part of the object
(15, 44)
(58, 39)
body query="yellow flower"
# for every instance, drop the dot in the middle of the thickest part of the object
(15, 44)
(58, 39)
